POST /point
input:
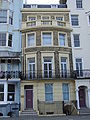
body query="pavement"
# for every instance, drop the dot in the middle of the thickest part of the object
(78, 117)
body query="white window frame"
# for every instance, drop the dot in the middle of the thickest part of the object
(78, 41)
(6, 39)
(12, 92)
(66, 92)
(34, 39)
(6, 16)
(66, 41)
(79, 4)
(75, 20)
(51, 38)
(49, 92)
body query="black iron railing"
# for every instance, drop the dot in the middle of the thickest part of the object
(82, 73)
(51, 74)
(10, 74)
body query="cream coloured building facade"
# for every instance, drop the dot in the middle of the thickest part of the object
(48, 82)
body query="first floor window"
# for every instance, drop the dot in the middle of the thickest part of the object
(79, 67)
(2, 39)
(10, 40)
(1, 92)
(47, 39)
(63, 67)
(11, 92)
(31, 68)
(65, 88)
(48, 92)
(76, 40)
(3, 16)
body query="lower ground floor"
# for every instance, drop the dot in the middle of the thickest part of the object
(47, 96)
(9, 97)
(82, 93)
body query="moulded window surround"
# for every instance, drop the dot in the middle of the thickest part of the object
(31, 68)
(45, 17)
(3, 38)
(79, 4)
(11, 92)
(3, 16)
(75, 20)
(10, 40)
(62, 39)
(49, 92)
(47, 38)
(59, 18)
(65, 89)
(31, 18)
(76, 38)
(31, 39)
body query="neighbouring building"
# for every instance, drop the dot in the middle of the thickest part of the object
(80, 37)
(47, 82)
(10, 50)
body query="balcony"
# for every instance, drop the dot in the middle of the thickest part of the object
(45, 23)
(10, 75)
(45, 74)
(82, 74)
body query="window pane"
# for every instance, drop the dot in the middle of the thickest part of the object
(11, 96)
(1, 88)
(3, 16)
(2, 39)
(47, 37)
(79, 3)
(76, 40)
(10, 40)
(74, 20)
(62, 39)
(48, 92)
(11, 88)
(31, 39)
(1, 96)
(65, 91)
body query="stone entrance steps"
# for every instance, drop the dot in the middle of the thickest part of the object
(28, 112)
(84, 111)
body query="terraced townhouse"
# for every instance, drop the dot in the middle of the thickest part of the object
(47, 66)
(10, 62)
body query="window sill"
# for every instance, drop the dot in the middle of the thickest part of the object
(77, 48)
(75, 26)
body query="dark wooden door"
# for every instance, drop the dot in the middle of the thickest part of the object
(29, 98)
(82, 97)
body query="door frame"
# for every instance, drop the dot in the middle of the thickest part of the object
(25, 97)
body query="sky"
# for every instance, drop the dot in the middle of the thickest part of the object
(43, 1)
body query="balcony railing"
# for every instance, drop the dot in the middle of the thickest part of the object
(10, 74)
(45, 23)
(51, 74)
(82, 73)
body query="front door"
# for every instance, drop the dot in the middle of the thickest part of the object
(29, 98)
(82, 97)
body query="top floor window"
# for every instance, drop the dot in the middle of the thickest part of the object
(79, 3)
(31, 18)
(59, 18)
(3, 16)
(45, 17)
(74, 20)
